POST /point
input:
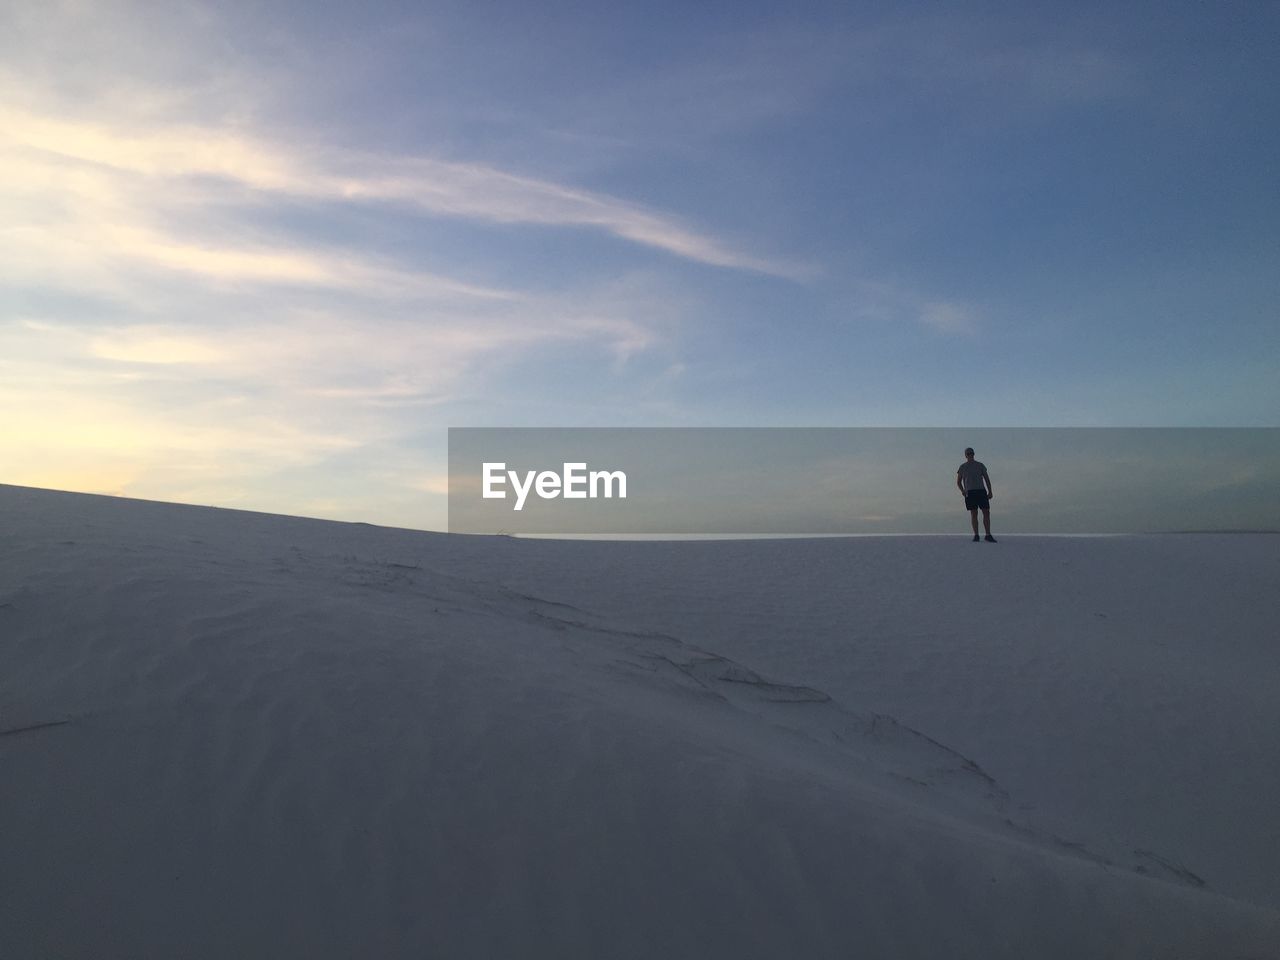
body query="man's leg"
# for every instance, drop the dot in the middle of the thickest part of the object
(973, 516)
(986, 522)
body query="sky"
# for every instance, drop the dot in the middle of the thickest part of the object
(262, 255)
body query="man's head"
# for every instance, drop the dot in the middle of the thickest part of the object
(968, 453)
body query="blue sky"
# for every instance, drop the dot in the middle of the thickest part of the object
(262, 255)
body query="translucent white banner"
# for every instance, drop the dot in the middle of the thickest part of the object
(810, 481)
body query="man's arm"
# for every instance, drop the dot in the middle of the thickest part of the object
(959, 483)
(986, 478)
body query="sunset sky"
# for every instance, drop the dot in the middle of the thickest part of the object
(262, 255)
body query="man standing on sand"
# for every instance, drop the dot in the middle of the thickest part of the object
(974, 483)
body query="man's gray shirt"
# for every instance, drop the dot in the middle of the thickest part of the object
(971, 473)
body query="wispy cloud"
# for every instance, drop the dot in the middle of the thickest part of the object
(170, 344)
(204, 404)
(176, 159)
(891, 301)
(948, 318)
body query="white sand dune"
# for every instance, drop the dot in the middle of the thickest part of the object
(226, 734)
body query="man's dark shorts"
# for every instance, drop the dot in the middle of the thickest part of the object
(976, 500)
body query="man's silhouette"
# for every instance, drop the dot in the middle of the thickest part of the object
(974, 483)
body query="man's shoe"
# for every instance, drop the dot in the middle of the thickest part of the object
(989, 538)
(975, 538)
